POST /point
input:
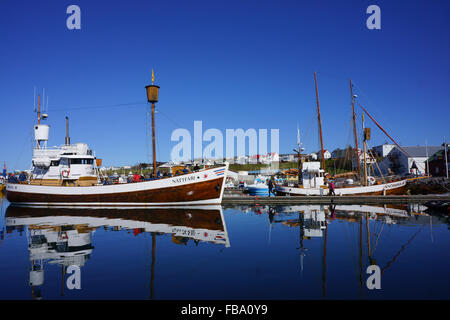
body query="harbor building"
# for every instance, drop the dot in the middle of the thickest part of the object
(437, 163)
(413, 160)
(383, 150)
(326, 154)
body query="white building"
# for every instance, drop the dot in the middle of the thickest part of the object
(326, 154)
(287, 158)
(312, 156)
(401, 163)
(384, 149)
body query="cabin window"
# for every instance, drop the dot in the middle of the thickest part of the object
(64, 161)
(54, 163)
(81, 161)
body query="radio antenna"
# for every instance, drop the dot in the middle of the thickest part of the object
(43, 99)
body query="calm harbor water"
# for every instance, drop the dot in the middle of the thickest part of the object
(267, 252)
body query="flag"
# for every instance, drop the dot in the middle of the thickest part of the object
(4, 170)
(153, 76)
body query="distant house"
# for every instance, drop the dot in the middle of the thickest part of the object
(326, 154)
(242, 160)
(265, 158)
(273, 157)
(437, 163)
(287, 157)
(312, 156)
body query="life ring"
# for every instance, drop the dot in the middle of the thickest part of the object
(371, 180)
(65, 173)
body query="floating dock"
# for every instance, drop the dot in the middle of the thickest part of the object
(286, 200)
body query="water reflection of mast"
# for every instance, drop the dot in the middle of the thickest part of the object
(152, 277)
(360, 256)
(271, 216)
(368, 238)
(301, 219)
(324, 262)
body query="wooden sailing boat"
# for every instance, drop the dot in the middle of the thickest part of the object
(313, 182)
(76, 184)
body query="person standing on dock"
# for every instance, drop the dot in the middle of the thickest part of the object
(331, 186)
(270, 186)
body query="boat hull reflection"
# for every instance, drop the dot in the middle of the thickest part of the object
(203, 224)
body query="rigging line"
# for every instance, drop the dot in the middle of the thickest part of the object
(103, 106)
(376, 163)
(403, 247)
(374, 232)
(350, 239)
(21, 150)
(376, 241)
(157, 145)
(170, 119)
(381, 128)
(362, 91)
(333, 75)
(308, 130)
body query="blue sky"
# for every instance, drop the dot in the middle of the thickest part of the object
(232, 64)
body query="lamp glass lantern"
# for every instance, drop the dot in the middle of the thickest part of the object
(152, 93)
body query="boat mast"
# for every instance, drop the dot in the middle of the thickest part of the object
(153, 140)
(39, 109)
(67, 139)
(445, 155)
(364, 150)
(152, 97)
(355, 133)
(299, 155)
(38, 117)
(320, 122)
(428, 168)
(360, 255)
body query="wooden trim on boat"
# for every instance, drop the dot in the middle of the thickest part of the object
(198, 191)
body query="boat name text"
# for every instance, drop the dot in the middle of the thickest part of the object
(183, 179)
